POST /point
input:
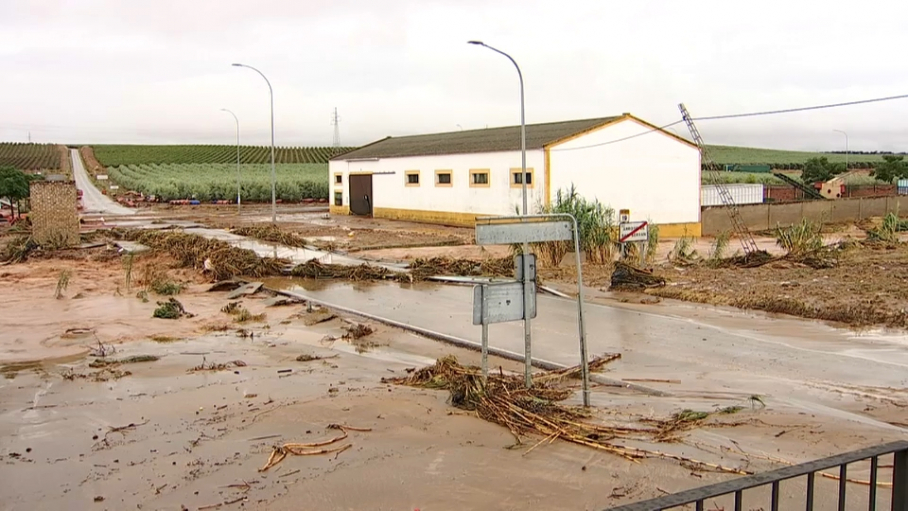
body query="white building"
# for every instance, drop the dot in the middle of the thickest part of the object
(452, 178)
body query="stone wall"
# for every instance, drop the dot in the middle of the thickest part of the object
(54, 214)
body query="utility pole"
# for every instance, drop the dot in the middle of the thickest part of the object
(335, 121)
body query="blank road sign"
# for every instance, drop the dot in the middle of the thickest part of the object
(504, 302)
(630, 232)
(523, 232)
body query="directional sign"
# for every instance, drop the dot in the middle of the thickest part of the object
(523, 232)
(504, 302)
(630, 232)
(101, 177)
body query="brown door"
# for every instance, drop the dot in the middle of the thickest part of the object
(361, 194)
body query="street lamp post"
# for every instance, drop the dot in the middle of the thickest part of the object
(527, 288)
(235, 118)
(846, 147)
(273, 178)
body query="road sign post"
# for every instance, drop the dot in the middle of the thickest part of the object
(487, 306)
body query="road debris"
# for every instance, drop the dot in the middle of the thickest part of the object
(305, 357)
(171, 309)
(212, 366)
(278, 453)
(247, 289)
(627, 277)
(506, 401)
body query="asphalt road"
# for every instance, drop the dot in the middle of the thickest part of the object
(708, 353)
(93, 201)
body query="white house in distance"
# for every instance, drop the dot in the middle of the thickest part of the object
(452, 178)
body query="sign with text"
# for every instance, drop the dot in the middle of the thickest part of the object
(523, 232)
(631, 232)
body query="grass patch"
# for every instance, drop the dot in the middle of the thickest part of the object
(163, 338)
(135, 359)
(171, 309)
(62, 283)
(244, 316)
(800, 239)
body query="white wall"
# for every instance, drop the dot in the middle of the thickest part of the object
(741, 193)
(497, 199)
(655, 175)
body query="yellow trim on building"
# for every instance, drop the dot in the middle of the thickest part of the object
(517, 171)
(694, 229)
(488, 182)
(407, 174)
(548, 176)
(431, 217)
(362, 173)
(338, 210)
(587, 131)
(444, 171)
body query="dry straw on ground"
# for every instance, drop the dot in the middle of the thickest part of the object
(504, 400)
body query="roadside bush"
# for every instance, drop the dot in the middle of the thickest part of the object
(801, 238)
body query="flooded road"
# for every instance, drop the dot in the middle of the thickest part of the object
(736, 357)
(92, 199)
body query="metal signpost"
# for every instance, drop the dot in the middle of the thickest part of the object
(498, 302)
(633, 232)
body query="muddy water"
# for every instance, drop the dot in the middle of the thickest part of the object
(719, 354)
(296, 255)
(165, 438)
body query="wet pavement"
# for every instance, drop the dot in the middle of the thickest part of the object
(719, 356)
(296, 255)
(93, 200)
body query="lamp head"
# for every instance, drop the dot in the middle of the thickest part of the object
(236, 65)
(480, 43)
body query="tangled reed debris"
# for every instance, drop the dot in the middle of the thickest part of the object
(420, 269)
(273, 234)
(218, 257)
(313, 269)
(628, 277)
(505, 401)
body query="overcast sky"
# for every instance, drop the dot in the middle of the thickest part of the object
(141, 71)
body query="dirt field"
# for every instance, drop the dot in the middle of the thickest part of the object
(183, 432)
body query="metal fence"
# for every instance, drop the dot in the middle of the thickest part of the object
(699, 497)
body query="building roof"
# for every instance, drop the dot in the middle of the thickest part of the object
(476, 141)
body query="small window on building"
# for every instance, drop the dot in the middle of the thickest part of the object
(443, 178)
(412, 178)
(479, 178)
(338, 198)
(338, 179)
(517, 178)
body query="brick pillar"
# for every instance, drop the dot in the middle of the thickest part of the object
(54, 213)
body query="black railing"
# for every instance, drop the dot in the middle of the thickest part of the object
(737, 487)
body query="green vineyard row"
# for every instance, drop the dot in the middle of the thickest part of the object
(217, 181)
(115, 155)
(30, 156)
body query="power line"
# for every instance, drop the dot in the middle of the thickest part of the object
(647, 132)
(801, 109)
(734, 116)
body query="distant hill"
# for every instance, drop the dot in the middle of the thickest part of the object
(779, 158)
(114, 155)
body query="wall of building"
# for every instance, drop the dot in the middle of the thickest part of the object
(655, 175)
(761, 217)
(456, 204)
(54, 214)
(741, 193)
